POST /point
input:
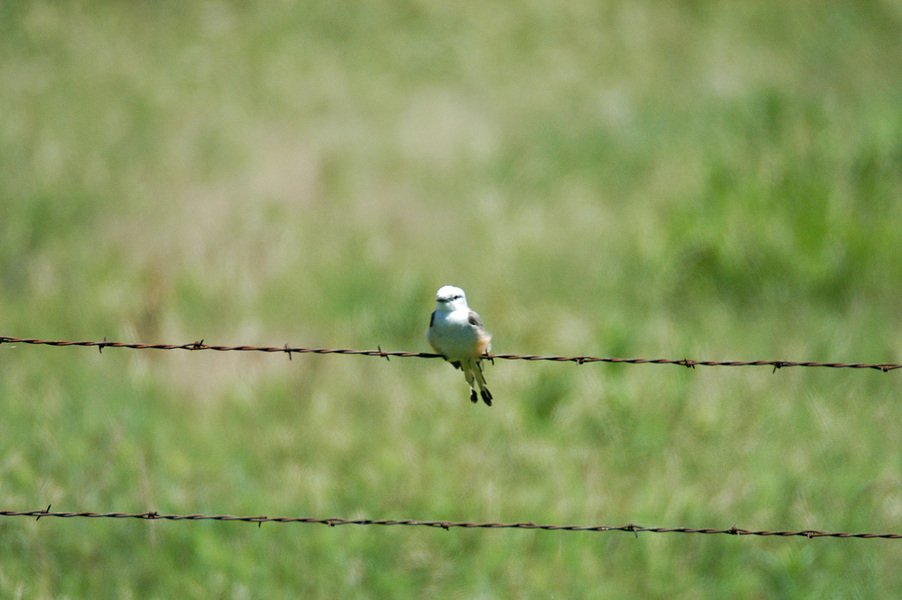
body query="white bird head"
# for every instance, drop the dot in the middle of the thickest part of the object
(450, 298)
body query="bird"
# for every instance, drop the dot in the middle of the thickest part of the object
(457, 333)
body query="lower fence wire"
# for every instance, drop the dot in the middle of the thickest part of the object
(446, 525)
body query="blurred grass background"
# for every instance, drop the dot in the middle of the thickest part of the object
(710, 180)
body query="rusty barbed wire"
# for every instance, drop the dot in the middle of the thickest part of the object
(683, 362)
(447, 525)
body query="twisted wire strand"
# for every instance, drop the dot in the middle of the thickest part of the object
(289, 350)
(446, 525)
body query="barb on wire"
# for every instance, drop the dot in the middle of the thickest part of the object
(446, 525)
(580, 360)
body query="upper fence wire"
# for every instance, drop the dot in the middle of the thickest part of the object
(379, 352)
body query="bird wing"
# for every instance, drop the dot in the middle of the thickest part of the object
(483, 337)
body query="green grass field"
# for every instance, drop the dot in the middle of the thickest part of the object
(708, 180)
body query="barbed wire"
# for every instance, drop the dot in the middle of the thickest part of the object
(446, 525)
(683, 362)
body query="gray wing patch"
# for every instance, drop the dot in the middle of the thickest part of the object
(474, 319)
(432, 319)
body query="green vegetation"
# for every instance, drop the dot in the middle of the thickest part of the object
(709, 180)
